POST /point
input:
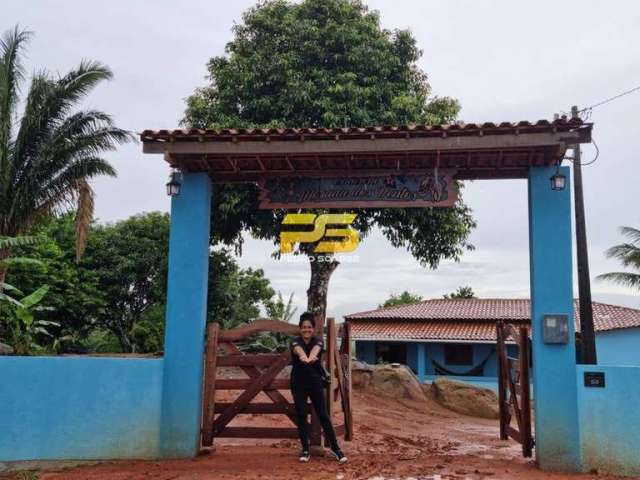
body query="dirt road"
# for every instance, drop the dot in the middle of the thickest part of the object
(395, 439)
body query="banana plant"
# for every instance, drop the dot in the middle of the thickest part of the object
(24, 327)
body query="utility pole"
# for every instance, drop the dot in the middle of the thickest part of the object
(584, 282)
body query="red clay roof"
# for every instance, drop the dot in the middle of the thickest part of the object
(469, 319)
(347, 133)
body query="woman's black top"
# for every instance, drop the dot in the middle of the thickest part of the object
(306, 369)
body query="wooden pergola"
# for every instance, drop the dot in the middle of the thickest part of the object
(475, 151)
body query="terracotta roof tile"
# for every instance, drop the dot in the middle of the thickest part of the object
(390, 131)
(469, 319)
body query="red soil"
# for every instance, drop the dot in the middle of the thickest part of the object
(394, 439)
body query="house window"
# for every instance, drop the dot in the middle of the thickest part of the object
(391, 353)
(458, 354)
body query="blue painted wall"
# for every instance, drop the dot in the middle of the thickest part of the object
(554, 370)
(619, 347)
(186, 317)
(79, 408)
(609, 420)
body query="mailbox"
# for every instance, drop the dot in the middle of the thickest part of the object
(555, 329)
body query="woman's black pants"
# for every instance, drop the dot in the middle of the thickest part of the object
(310, 386)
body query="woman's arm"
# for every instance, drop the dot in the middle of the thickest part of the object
(313, 355)
(297, 350)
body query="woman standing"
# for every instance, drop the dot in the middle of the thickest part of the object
(306, 382)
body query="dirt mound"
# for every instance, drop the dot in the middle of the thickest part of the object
(392, 380)
(465, 398)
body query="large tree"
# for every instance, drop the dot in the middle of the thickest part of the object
(48, 156)
(324, 63)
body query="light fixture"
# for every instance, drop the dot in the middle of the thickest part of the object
(174, 183)
(558, 181)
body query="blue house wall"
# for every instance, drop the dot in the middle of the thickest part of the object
(424, 352)
(619, 347)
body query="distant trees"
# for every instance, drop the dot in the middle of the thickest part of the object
(461, 292)
(114, 299)
(404, 298)
(628, 254)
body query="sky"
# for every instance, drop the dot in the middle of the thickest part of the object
(503, 60)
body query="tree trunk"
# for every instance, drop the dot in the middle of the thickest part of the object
(4, 254)
(322, 266)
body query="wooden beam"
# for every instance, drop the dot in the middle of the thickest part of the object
(248, 360)
(244, 383)
(209, 398)
(260, 325)
(258, 432)
(413, 144)
(262, 408)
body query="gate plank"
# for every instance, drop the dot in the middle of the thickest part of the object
(249, 360)
(244, 383)
(270, 408)
(259, 432)
(257, 385)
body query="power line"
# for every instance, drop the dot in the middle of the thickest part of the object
(610, 99)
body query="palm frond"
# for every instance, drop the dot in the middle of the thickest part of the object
(14, 242)
(627, 253)
(632, 233)
(626, 279)
(84, 215)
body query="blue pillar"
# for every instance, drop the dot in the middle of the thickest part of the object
(554, 365)
(185, 318)
(422, 361)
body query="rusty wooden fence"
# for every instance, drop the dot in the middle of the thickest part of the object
(261, 375)
(514, 394)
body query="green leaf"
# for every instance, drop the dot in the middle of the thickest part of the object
(35, 297)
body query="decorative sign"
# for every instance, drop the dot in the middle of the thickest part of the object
(431, 189)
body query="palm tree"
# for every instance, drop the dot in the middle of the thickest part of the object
(48, 155)
(629, 256)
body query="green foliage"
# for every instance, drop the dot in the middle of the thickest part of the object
(628, 254)
(74, 293)
(114, 299)
(21, 328)
(279, 310)
(48, 155)
(324, 63)
(404, 298)
(235, 294)
(461, 292)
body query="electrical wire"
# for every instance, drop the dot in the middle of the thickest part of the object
(590, 162)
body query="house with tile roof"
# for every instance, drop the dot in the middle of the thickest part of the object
(457, 337)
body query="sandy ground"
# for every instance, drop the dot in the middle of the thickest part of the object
(394, 439)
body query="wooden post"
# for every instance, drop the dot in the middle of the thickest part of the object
(527, 439)
(502, 401)
(316, 429)
(346, 347)
(330, 364)
(209, 400)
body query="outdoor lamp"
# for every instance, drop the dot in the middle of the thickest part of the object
(173, 185)
(558, 181)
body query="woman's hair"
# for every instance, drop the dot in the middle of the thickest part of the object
(307, 316)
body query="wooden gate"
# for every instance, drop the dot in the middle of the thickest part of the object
(513, 387)
(261, 375)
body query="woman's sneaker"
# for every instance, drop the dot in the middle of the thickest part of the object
(304, 456)
(340, 456)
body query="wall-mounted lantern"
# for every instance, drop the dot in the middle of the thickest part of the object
(558, 181)
(174, 183)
